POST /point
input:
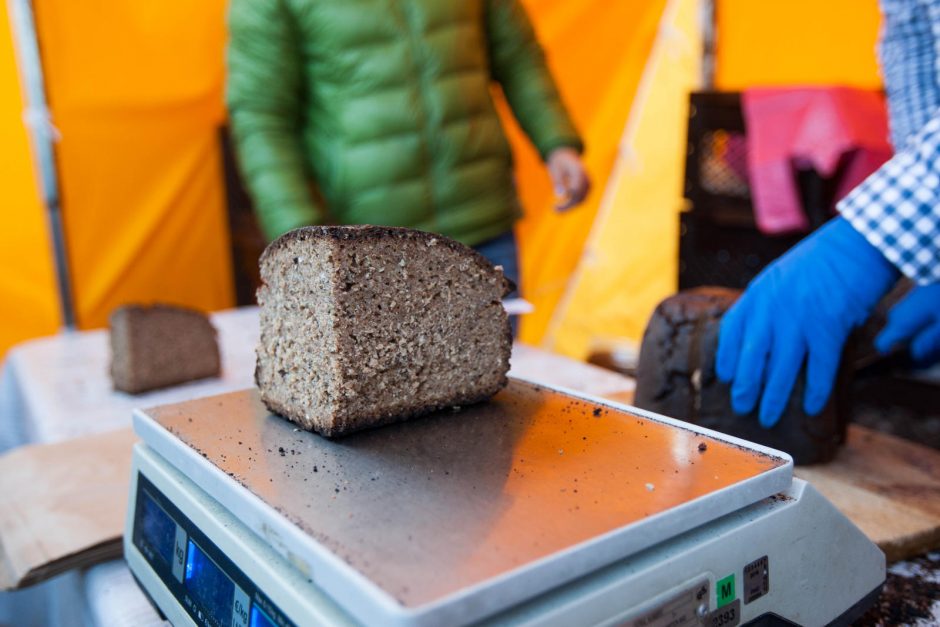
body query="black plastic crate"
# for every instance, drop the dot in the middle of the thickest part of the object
(712, 253)
(716, 168)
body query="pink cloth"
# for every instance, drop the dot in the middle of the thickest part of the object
(811, 127)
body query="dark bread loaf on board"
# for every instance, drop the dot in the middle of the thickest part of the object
(676, 377)
(159, 346)
(365, 325)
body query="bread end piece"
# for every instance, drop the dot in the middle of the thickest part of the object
(157, 346)
(676, 377)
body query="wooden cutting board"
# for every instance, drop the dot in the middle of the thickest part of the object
(62, 506)
(887, 486)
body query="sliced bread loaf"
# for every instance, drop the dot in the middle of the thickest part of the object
(159, 346)
(363, 326)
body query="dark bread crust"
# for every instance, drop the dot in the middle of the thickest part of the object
(352, 426)
(676, 377)
(373, 232)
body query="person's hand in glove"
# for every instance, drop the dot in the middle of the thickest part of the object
(800, 309)
(569, 177)
(916, 321)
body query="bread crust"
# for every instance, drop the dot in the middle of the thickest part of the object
(370, 231)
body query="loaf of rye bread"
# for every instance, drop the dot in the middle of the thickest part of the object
(365, 325)
(159, 346)
(676, 377)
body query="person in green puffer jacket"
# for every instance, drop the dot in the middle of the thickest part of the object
(380, 112)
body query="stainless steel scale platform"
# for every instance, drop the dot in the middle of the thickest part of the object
(541, 506)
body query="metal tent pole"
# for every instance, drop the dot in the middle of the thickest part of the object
(709, 24)
(43, 135)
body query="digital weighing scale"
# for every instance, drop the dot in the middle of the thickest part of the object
(539, 507)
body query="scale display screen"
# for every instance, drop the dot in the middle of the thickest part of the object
(204, 581)
(260, 619)
(210, 587)
(158, 529)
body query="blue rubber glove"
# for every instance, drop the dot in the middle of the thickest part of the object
(800, 308)
(916, 319)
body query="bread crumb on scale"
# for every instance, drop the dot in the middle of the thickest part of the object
(363, 326)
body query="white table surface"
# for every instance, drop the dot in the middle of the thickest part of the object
(57, 388)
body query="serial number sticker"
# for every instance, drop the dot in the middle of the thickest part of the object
(687, 608)
(756, 579)
(727, 616)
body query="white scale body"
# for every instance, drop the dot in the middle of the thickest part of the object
(539, 507)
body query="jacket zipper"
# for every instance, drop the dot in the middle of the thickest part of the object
(408, 15)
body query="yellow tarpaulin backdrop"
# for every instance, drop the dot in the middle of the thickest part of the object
(135, 90)
(597, 51)
(630, 261)
(796, 42)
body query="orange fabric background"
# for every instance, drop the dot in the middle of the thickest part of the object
(759, 43)
(797, 42)
(29, 304)
(597, 51)
(135, 91)
(630, 260)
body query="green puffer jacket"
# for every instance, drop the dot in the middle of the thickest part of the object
(380, 112)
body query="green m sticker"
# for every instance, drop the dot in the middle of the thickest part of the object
(725, 590)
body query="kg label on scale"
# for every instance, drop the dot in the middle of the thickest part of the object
(688, 607)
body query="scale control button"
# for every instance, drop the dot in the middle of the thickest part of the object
(179, 554)
(240, 608)
(756, 579)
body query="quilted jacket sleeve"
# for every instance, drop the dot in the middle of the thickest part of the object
(264, 93)
(518, 65)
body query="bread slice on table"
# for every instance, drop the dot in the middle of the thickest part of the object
(365, 325)
(161, 345)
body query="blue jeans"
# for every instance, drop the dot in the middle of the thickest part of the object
(502, 251)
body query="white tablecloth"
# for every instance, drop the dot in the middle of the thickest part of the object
(57, 388)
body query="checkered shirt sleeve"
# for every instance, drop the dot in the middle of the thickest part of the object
(897, 208)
